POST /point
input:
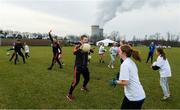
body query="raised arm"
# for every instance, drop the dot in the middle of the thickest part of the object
(50, 36)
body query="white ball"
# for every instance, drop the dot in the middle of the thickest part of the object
(86, 47)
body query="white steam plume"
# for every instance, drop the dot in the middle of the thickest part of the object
(108, 9)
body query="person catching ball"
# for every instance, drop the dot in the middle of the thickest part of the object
(81, 51)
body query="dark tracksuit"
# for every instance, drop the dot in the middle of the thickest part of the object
(80, 67)
(56, 48)
(151, 52)
(17, 48)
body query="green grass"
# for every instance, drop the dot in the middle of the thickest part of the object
(31, 85)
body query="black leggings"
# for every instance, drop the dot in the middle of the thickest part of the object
(56, 59)
(127, 104)
(77, 72)
(21, 54)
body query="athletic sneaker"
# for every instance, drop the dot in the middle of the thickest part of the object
(112, 67)
(70, 97)
(109, 66)
(49, 68)
(165, 98)
(84, 89)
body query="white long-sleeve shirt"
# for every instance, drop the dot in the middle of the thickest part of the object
(26, 47)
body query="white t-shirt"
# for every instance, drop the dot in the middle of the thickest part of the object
(165, 70)
(133, 90)
(26, 47)
(101, 49)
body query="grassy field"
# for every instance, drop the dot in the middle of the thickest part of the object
(31, 85)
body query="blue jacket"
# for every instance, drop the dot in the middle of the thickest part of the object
(152, 48)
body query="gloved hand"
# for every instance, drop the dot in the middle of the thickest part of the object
(113, 82)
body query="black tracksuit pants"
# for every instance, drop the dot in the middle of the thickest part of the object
(150, 55)
(21, 54)
(77, 72)
(55, 59)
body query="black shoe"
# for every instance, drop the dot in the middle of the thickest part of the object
(49, 68)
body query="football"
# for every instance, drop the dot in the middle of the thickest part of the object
(86, 47)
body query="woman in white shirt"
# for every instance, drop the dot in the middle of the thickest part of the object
(163, 66)
(113, 53)
(101, 53)
(129, 79)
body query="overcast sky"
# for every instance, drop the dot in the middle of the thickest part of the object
(76, 16)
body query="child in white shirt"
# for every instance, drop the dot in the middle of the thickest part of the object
(163, 66)
(26, 49)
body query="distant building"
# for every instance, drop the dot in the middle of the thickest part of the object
(96, 31)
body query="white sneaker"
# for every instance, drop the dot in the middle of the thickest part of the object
(165, 98)
(169, 95)
(112, 67)
(109, 66)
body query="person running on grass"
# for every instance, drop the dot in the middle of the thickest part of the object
(102, 51)
(152, 48)
(129, 79)
(80, 67)
(56, 52)
(113, 53)
(163, 66)
(18, 46)
(60, 55)
(26, 47)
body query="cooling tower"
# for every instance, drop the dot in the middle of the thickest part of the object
(95, 30)
(101, 32)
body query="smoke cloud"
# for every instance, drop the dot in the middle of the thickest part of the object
(108, 9)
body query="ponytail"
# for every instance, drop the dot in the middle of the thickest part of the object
(131, 52)
(135, 54)
(162, 53)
